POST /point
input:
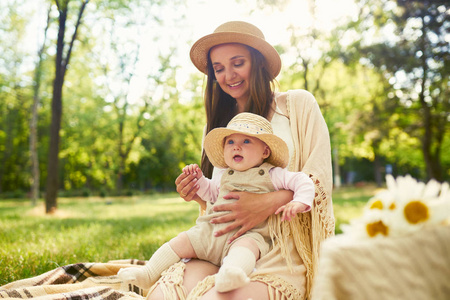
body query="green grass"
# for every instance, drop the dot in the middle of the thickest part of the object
(348, 203)
(86, 230)
(101, 229)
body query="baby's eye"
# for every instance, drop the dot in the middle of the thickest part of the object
(246, 141)
(230, 142)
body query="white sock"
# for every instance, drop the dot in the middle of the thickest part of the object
(236, 267)
(162, 259)
(145, 276)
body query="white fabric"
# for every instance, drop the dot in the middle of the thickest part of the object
(282, 129)
(416, 266)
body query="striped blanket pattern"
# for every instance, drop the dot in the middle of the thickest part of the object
(94, 281)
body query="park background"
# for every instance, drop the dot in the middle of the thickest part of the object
(100, 108)
(100, 98)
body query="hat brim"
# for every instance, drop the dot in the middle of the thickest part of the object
(213, 145)
(199, 51)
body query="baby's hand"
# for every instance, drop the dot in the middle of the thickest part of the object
(291, 209)
(193, 169)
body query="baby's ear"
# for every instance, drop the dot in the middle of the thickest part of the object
(266, 152)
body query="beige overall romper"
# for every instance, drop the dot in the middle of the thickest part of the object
(214, 249)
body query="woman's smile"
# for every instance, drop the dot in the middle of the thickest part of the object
(236, 84)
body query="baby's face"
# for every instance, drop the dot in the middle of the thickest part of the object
(242, 152)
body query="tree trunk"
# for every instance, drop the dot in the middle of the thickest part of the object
(336, 169)
(35, 178)
(60, 71)
(376, 160)
(377, 171)
(9, 144)
(121, 168)
(432, 158)
(52, 169)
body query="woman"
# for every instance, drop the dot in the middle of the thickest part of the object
(241, 68)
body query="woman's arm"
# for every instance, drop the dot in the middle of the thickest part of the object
(251, 210)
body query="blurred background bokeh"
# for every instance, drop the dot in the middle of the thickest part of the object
(100, 98)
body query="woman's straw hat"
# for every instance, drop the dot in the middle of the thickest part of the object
(248, 124)
(235, 32)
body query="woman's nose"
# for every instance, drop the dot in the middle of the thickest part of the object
(229, 74)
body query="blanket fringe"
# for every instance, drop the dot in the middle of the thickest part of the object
(171, 283)
(202, 287)
(278, 288)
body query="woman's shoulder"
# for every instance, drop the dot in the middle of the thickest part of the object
(294, 97)
(300, 94)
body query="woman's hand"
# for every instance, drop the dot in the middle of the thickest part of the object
(187, 187)
(250, 210)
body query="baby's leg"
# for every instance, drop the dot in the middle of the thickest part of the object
(167, 255)
(237, 265)
(182, 246)
(170, 253)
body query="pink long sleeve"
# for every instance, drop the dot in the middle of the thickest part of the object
(298, 182)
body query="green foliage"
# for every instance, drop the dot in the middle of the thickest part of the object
(415, 61)
(364, 78)
(90, 157)
(384, 96)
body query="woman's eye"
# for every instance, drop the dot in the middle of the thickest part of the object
(238, 64)
(218, 70)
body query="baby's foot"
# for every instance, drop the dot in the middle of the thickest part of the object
(136, 276)
(230, 278)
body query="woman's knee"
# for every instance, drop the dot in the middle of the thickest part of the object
(196, 270)
(156, 294)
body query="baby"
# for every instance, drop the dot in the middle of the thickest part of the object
(252, 159)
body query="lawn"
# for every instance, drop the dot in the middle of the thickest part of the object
(98, 229)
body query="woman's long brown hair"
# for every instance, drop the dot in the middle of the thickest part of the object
(221, 107)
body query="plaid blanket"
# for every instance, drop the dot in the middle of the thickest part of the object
(97, 281)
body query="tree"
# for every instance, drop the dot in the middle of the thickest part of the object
(35, 174)
(61, 63)
(312, 46)
(416, 60)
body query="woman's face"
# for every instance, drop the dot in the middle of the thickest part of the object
(232, 65)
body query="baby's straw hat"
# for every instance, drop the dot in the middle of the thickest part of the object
(248, 124)
(235, 32)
